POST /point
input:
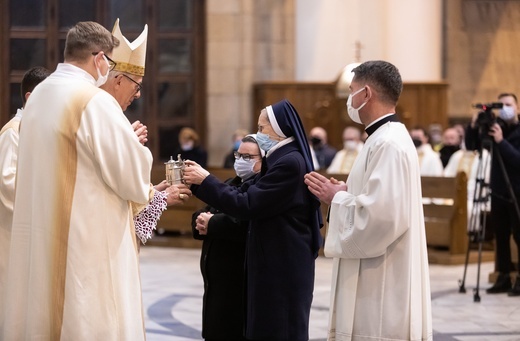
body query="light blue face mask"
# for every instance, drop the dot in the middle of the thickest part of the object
(264, 141)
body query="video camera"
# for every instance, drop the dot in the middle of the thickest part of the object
(486, 118)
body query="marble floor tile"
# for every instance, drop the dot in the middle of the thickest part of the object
(172, 299)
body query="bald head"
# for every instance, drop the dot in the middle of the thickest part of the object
(319, 133)
(451, 137)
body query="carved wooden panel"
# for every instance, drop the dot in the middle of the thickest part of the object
(420, 104)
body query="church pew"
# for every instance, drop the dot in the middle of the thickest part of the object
(446, 216)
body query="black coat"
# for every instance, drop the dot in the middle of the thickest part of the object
(280, 256)
(509, 150)
(222, 267)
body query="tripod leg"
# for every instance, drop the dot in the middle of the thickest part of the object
(475, 228)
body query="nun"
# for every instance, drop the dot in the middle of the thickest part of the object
(283, 236)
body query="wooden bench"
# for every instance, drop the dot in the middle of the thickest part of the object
(446, 217)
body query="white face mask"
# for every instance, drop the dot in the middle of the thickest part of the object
(350, 145)
(188, 145)
(353, 113)
(507, 113)
(102, 79)
(244, 169)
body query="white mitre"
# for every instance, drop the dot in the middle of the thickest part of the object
(130, 57)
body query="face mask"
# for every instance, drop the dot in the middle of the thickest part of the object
(315, 141)
(353, 113)
(350, 145)
(102, 79)
(507, 113)
(446, 152)
(236, 145)
(187, 145)
(417, 143)
(244, 169)
(264, 141)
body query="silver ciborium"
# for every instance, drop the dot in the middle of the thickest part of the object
(175, 170)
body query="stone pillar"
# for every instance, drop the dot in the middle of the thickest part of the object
(406, 33)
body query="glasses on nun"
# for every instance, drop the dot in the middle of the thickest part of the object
(111, 63)
(138, 86)
(246, 157)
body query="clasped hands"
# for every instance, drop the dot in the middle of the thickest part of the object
(202, 222)
(323, 188)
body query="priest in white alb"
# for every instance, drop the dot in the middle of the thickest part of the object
(380, 282)
(82, 177)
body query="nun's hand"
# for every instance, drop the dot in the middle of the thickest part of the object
(194, 174)
(202, 222)
(323, 188)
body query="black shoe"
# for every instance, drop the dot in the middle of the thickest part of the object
(502, 285)
(515, 290)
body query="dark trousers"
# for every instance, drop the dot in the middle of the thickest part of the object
(505, 222)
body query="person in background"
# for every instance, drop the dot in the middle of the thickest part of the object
(323, 152)
(376, 231)
(223, 254)
(236, 139)
(9, 137)
(429, 160)
(284, 231)
(434, 134)
(503, 133)
(468, 161)
(190, 148)
(450, 144)
(461, 131)
(344, 159)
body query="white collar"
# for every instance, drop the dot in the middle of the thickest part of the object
(66, 70)
(279, 144)
(19, 113)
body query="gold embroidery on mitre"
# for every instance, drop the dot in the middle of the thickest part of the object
(129, 68)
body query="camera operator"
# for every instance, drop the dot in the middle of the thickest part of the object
(505, 133)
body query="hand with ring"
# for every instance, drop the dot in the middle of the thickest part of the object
(177, 194)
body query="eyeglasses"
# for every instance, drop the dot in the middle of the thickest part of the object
(138, 85)
(246, 157)
(261, 127)
(111, 63)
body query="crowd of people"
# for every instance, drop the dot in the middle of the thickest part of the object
(77, 202)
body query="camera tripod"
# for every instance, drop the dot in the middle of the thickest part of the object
(481, 203)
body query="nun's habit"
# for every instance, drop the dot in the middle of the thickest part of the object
(284, 232)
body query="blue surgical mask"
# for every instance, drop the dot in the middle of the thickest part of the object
(244, 169)
(264, 141)
(507, 113)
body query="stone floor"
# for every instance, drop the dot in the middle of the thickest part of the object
(172, 297)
